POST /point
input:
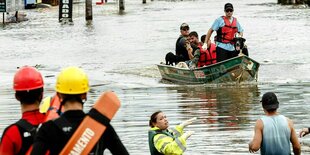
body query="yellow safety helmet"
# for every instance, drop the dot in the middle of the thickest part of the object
(72, 80)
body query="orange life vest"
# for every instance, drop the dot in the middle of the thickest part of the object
(226, 33)
(208, 56)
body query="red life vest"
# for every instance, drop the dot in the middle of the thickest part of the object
(207, 57)
(226, 33)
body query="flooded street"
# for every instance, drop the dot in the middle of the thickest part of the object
(119, 53)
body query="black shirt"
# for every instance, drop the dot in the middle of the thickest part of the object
(53, 138)
(180, 49)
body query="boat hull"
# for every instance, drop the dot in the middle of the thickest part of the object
(237, 69)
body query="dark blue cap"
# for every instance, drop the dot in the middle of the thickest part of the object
(228, 6)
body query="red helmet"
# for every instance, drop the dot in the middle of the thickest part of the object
(27, 78)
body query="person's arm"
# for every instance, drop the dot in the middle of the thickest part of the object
(208, 36)
(11, 141)
(240, 29)
(255, 144)
(177, 145)
(294, 139)
(195, 59)
(167, 145)
(304, 132)
(189, 50)
(215, 26)
(111, 141)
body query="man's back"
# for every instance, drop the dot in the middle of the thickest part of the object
(53, 135)
(180, 49)
(276, 135)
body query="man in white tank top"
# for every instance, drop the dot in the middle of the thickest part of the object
(273, 132)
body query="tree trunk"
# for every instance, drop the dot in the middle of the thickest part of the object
(88, 10)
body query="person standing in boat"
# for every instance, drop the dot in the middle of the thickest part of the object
(167, 141)
(201, 57)
(226, 27)
(18, 137)
(182, 47)
(273, 132)
(72, 87)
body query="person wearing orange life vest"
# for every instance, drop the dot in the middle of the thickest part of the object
(226, 27)
(201, 56)
(18, 137)
(72, 87)
(211, 51)
(164, 141)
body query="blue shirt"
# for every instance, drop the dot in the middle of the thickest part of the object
(276, 136)
(218, 23)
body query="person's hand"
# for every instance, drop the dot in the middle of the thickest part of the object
(250, 148)
(187, 134)
(188, 45)
(205, 46)
(304, 132)
(188, 122)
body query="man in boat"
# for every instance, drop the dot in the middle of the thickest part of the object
(182, 44)
(201, 56)
(72, 87)
(225, 27)
(273, 132)
(18, 137)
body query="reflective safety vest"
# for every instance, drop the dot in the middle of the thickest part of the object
(226, 33)
(152, 133)
(166, 141)
(207, 57)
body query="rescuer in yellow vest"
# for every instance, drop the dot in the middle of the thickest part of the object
(167, 141)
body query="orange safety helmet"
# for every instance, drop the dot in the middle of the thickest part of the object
(27, 78)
